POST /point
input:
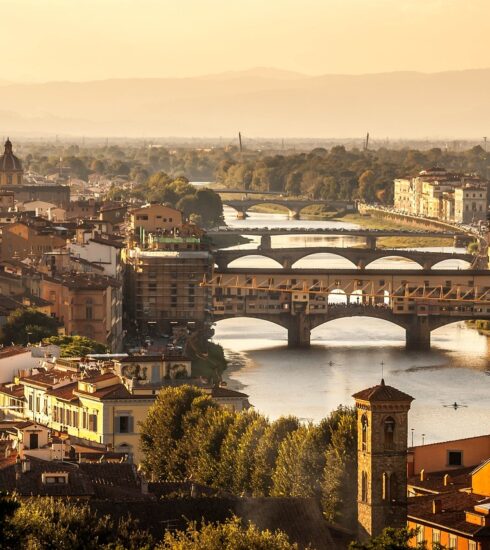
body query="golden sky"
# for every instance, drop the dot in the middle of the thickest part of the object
(44, 40)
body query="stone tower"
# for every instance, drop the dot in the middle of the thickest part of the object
(11, 172)
(382, 429)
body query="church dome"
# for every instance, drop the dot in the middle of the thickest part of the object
(8, 161)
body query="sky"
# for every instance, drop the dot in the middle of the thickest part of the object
(45, 40)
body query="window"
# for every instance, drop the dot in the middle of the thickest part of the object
(436, 536)
(453, 542)
(364, 428)
(389, 432)
(364, 487)
(420, 534)
(30, 402)
(88, 309)
(455, 458)
(92, 422)
(471, 545)
(124, 424)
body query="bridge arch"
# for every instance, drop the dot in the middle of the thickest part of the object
(242, 261)
(375, 264)
(227, 326)
(322, 257)
(362, 317)
(291, 212)
(455, 263)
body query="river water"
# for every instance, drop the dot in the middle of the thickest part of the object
(348, 355)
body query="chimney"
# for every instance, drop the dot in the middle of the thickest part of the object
(447, 479)
(422, 474)
(436, 506)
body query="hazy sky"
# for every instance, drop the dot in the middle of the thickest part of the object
(96, 39)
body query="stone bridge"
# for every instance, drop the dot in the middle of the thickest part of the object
(360, 257)
(419, 301)
(294, 206)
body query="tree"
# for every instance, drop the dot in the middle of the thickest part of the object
(76, 346)
(266, 454)
(25, 326)
(164, 427)
(339, 486)
(366, 186)
(52, 523)
(230, 535)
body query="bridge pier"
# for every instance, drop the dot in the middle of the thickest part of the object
(294, 214)
(418, 334)
(265, 242)
(299, 332)
(241, 215)
(371, 242)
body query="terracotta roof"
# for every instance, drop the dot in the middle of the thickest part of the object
(99, 377)
(10, 351)
(15, 390)
(452, 516)
(108, 242)
(225, 392)
(434, 481)
(47, 379)
(382, 392)
(117, 391)
(65, 393)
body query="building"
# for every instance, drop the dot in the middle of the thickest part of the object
(439, 194)
(163, 280)
(11, 171)
(470, 203)
(102, 401)
(454, 509)
(448, 455)
(152, 218)
(382, 420)
(32, 238)
(87, 304)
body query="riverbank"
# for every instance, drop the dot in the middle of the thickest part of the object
(370, 222)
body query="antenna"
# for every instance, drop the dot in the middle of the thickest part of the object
(240, 141)
(366, 143)
(382, 370)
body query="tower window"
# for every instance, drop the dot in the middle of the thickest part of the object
(389, 432)
(455, 458)
(364, 429)
(364, 487)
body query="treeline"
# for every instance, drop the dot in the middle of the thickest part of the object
(186, 435)
(42, 523)
(343, 174)
(201, 206)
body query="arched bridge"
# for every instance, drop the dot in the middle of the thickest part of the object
(360, 257)
(294, 206)
(419, 301)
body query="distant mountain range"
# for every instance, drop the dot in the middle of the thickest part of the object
(261, 102)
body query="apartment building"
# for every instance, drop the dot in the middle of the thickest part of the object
(439, 194)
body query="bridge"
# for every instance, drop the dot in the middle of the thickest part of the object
(294, 206)
(360, 257)
(419, 301)
(370, 236)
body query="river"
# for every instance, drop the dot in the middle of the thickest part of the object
(348, 355)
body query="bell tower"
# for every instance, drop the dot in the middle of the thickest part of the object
(382, 430)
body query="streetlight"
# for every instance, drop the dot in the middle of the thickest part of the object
(423, 439)
(29, 334)
(412, 435)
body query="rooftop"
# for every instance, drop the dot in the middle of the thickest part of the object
(382, 392)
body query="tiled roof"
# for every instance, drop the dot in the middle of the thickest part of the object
(225, 392)
(452, 516)
(434, 481)
(47, 379)
(15, 390)
(382, 392)
(117, 391)
(64, 393)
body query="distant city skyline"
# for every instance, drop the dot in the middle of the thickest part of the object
(92, 40)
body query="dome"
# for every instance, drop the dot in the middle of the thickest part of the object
(8, 161)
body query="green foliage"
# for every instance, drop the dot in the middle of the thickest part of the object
(164, 427)
(193, 201)
(392, 539)
(76, 346)
(28, 325)
(187, 436)
(47, 523)
(339, 485)
(230, 535)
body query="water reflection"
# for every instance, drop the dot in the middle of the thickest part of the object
(346, 356)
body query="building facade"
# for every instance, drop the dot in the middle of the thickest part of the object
(382, 426)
